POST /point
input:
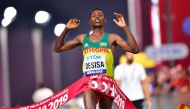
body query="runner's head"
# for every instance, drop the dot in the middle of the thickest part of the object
(97, 18)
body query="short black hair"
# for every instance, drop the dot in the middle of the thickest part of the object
(96, 9)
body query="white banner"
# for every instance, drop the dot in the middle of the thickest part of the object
(168, 52)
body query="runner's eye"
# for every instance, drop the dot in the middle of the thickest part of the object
(101, 15)
(93, 16)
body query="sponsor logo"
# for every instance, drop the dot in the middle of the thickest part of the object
(92, 72)
(86, 45)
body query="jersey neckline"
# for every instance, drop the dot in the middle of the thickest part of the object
(98, 40)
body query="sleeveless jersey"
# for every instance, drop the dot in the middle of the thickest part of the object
(97, 56)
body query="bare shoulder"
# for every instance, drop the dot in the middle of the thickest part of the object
(113, 36)
(80, 37)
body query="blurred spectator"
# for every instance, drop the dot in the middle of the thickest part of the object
(42, 92)
(183, 80)
(179, 81)
(188, 71)
(161, 80)
(181, 85)
(150, 79)
(132, 79)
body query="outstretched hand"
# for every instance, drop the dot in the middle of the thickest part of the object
(73, 23)
(120, 21)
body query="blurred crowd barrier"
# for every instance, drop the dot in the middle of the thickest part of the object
(170, 100)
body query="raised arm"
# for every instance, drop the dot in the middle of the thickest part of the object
(60, 44)
(129, 45)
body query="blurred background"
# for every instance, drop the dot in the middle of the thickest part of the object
(29, 29)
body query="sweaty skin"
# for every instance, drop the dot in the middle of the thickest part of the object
(97, 20)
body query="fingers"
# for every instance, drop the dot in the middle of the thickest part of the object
(77, 21)
(73, 23)
(118, 15)
(115, 20)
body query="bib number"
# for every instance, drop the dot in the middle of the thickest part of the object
(94, 64)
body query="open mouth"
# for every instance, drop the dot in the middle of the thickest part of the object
(97, 20)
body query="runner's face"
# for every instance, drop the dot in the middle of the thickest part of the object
(97, 18)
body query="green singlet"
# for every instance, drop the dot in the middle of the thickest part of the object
(98, 57)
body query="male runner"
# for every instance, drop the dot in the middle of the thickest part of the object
(97, 51)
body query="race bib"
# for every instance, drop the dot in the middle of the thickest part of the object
(95, 64)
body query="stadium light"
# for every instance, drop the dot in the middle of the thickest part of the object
(59, 29)
(5, 22)
(42, 17)
(9, 15)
